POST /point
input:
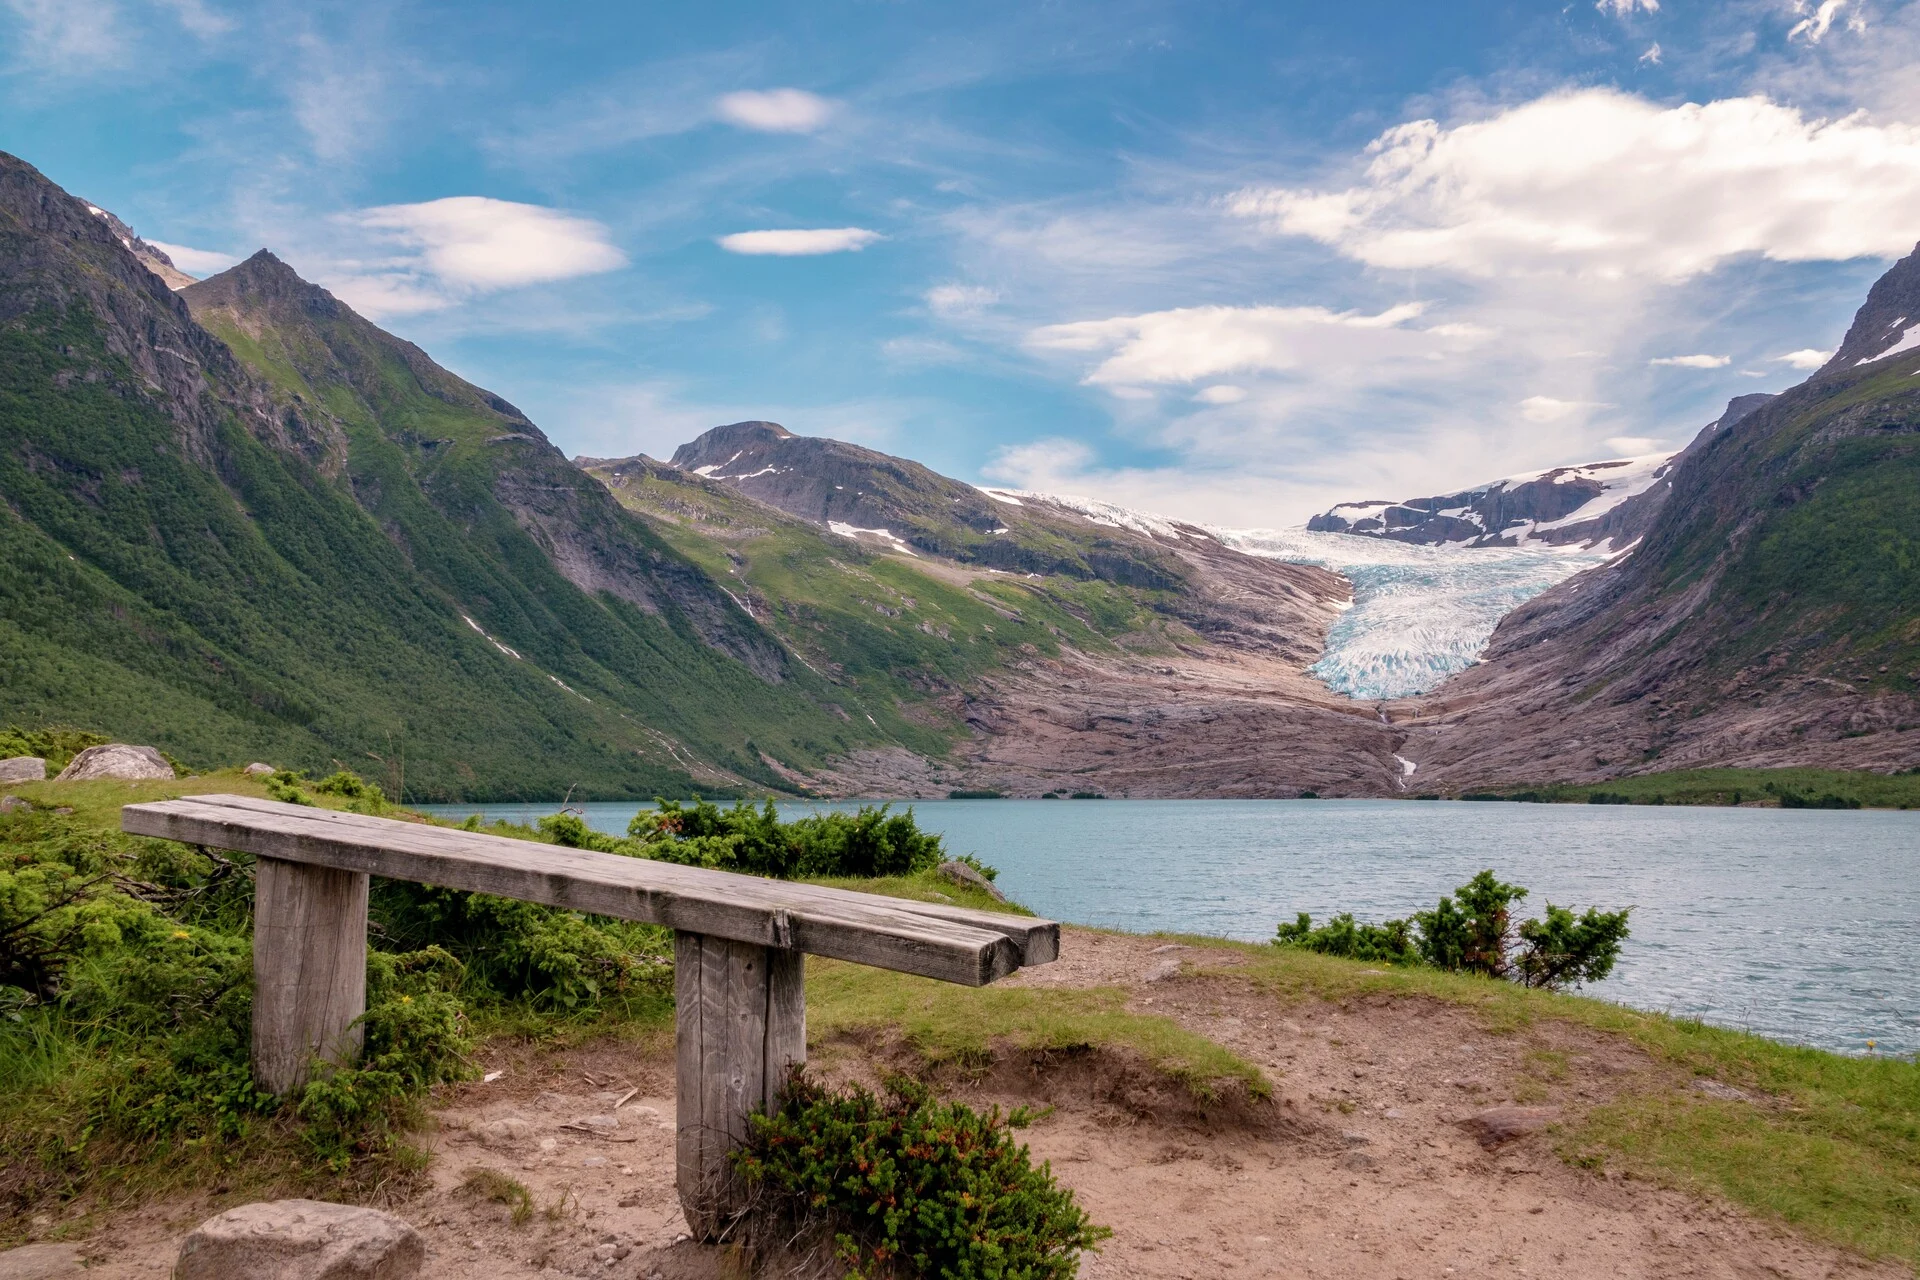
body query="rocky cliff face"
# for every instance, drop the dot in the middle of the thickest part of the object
(1769, 616)
(149, 256)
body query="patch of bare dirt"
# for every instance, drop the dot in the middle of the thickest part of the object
(1358, 1167)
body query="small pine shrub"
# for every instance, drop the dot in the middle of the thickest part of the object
(909, 1184)
(1472, 931)
(871, 842)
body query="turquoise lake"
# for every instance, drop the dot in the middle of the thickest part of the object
(1801, 925)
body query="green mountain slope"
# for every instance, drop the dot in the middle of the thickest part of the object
(299, 563)
(905, 636)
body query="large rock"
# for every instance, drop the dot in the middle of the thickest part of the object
(116, 760)
(23, 769)
(962, 874)
(257, 770)
(41, 1262)
(301, 1240)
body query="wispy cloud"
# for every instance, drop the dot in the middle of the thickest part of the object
(195, 262)
(1813, 28)
(65, 37)
(1805, 358)
(798, 243)
(956, 300)
(1693, 362)
(1545, 409)
(774, 110)
(1627, 8)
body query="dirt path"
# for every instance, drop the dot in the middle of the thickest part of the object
(1359, 1170)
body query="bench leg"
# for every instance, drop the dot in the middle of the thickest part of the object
(740, 1020)
(309, 969)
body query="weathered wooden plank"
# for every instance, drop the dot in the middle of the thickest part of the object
(1037, 940)
(739, 1025)
(863, 928)
(309, 969)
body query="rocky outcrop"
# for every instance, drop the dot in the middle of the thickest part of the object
(23, 769)
(302, 1240)
(147, 255)
(41, 1262)
(1887, 323)
(116, 760)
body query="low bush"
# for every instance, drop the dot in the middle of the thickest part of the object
(872, 842)
(1472, 931)
(126, 991)
(912, 1185)
(54, 745)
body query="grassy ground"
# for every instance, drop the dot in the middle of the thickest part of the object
(1831, 1146)
(1814, 788)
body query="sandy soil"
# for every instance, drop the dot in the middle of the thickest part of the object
(1359, 1168)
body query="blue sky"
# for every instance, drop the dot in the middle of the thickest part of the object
(1231, 262)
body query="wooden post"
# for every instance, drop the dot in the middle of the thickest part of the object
(740, 1021)
(309, 969)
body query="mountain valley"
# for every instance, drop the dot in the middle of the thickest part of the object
(242, 521)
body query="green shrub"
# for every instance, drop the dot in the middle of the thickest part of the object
(912, 1185)
(1390, 943)
(1472, 931)
(872, 842)
(57, 746)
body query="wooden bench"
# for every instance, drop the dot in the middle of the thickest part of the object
(740, 1006)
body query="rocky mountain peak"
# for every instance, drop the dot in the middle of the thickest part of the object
(1889, 320)
(149, 256)
(715, 447)
(264, 279)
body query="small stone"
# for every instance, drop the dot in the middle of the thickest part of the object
(505, 1131)
(1168, 968)
(594, 1162)
(23, 769)
(549, 1144)
(1724, 1092)
(258, 770)
(1354, 1139)
(1358, 1162)
(962, 874)
(596, 1124)
(14, 804)
(1497, 1126)
(301, 1240)
(40, 1262)
(1171, 946)
(116, 760)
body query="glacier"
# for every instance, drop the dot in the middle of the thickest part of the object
(1419, 613)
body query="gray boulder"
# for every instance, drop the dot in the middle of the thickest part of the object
(961, 873)
(9, 803)
(41, 1262)
(1497, 1126)
(258, 770)
(301, 1240)
(23, 769)
(116, 760)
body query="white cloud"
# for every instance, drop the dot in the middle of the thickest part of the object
(1220, 393)
(195, 262)
(1625, 8)
(428, 256)
(960, 299)
(1693, 362)
(1044, 465)
(1805, 358)
(1634, 446)
(1545, 409)
(800, 243)
(1652, 56)
(774, 110)
(1190, 343)
(1602, 183)
(1814, 26)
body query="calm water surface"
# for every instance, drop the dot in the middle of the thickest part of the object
(1796, 924)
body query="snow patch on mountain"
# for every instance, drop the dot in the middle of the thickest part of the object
(1420, 613)
(1099, 512)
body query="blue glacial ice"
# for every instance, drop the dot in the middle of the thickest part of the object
(1419, 614)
